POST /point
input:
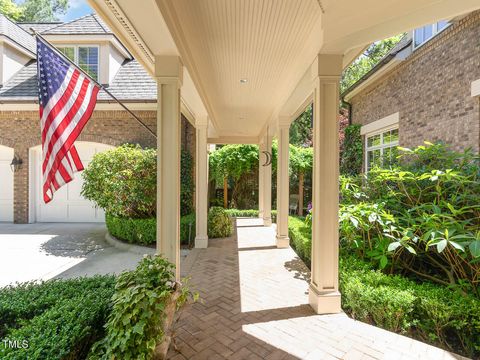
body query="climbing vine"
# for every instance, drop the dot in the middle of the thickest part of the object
(187, 184)
(352, 151)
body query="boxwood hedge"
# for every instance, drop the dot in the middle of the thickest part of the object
(57, 319)
(429, 312)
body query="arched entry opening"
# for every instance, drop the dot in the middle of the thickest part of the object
(67, 204)
(6, 184)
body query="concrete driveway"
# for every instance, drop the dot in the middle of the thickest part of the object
(58, 250)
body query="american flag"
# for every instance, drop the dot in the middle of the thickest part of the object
(67, 98)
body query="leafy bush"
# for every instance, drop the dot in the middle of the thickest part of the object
(122, 181)
(135, 325)
(134, 231)
(219, 223)
(417, 220)
(60, 319)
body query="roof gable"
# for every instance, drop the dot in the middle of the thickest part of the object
(16, 34)
(88, 24)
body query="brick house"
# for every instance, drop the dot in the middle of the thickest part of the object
(426, 89)
(91, 44)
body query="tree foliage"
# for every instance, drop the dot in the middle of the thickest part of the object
(33, 10)
(365, 62)
(301, 133)
(10, 9)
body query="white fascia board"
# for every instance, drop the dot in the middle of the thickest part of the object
(13, 44)
(380, 124)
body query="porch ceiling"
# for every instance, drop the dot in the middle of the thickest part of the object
(270, 43)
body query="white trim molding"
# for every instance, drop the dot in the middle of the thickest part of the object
(476, 88)
(380, 124)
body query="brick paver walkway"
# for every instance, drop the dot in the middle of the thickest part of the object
(255, 306)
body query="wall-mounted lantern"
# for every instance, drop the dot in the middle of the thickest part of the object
(16, 163)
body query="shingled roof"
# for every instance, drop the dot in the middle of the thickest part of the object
(88, 24)
(132, 83)
(16, 34)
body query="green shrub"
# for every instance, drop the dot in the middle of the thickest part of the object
(219, 223)
(135, 324)
(242, 213)
(144, 231)
(122, 181)
(187, 229)
(429, 312)
(300, 238)
(60, 319)
(134, 231)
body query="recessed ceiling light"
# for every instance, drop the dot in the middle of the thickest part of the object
(243, 81)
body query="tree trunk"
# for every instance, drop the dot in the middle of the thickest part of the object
(225, 192)
(300, 194)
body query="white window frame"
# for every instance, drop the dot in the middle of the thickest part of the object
(435, 32)
(380, 147)
(75, 53)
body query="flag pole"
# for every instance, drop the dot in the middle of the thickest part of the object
(95, 81)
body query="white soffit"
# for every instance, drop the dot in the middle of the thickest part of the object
(378, 125)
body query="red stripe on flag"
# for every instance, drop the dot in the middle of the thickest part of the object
(57, 133)
(76, 132)
(52, 115)
(76, 158)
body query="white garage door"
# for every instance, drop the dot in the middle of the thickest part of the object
(6, 184)
(67, 204)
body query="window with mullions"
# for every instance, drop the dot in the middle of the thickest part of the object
(425, 33)
(86, 57)
(381, 149)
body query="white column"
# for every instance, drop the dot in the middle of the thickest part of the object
(201, 192)
(324, 296)
(168, 72)
(283, 183)
(267, 183)
(261, 176)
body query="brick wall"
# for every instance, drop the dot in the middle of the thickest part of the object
(21, 131)
(431, 90)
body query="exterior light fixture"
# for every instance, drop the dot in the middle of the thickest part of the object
(16, 163)
(243, 81)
